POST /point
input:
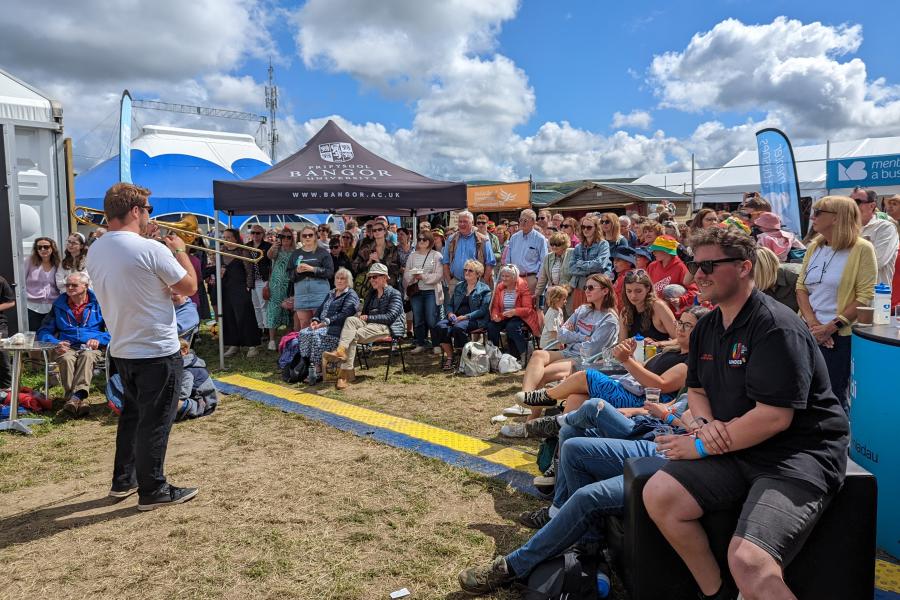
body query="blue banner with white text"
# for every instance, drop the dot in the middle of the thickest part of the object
(778, 177)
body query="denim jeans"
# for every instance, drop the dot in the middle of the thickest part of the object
(425, 316)
(515, 334)
(593, 469)
(457, 333)
(148, 410)
(837, 360)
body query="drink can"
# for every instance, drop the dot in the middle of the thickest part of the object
(649, 351)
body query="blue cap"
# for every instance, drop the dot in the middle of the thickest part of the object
(625, 253)
(645, 252)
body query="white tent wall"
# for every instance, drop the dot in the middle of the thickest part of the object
(741, 174)
(33, 201)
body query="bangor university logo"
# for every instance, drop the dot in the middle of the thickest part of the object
(336, 151)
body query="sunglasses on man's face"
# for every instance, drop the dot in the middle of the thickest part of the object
(257, 232)
(708, 266)
(481, 223)
(148, 208)
(73, 285)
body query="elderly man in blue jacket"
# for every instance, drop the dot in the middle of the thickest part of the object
(76, 326)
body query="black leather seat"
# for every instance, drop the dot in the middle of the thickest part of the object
(837, 562)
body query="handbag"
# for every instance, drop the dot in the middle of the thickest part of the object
(266, 292)
(413, 288)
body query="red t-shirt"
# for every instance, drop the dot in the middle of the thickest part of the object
(662, 276)
(78, 309)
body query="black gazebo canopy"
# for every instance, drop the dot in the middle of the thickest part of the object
(333, 173)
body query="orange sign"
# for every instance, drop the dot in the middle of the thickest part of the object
(499, 197)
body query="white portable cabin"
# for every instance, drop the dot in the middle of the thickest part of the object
(32, 181)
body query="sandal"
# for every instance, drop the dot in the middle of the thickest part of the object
(448, 363)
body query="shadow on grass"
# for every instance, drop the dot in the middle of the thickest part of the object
(40, 523)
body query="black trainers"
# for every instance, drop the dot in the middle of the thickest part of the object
(120, 493)
(484, 580)
(535, 398)
(535, 519)
(543, 427)
(172, 495)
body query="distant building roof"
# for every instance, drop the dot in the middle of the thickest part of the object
(541, 198)
(641, 191)
(604, 194)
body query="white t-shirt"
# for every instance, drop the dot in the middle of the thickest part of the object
(553, 320)
(823, 276)
(131, 277)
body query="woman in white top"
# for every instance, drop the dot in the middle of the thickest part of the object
(74, 260)
(837, 276)
(422, 282)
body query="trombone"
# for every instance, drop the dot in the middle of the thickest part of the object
(187, 229)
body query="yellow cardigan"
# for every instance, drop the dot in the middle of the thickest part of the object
(858, 279)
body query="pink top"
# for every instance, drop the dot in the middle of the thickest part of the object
(40, 285)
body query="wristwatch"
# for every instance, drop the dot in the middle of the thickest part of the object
(837, 323)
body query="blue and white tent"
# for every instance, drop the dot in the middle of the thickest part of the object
(179, 166)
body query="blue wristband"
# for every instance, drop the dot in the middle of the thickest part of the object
(698, 444)
(670, 418)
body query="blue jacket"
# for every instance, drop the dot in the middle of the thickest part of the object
(479, 303)
(386, 310)
(60, 325)
(587, 260)
(334, 311)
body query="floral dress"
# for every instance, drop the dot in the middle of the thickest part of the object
(279, 282)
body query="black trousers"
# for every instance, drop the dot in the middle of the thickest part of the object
(837, 360)
(148, 410)
(5, 368)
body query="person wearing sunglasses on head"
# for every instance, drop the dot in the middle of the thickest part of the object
(76, 326)
(880, 232)
(40, 280)
(279, 284)
(773, 439)
(837, 276)
(143, 339)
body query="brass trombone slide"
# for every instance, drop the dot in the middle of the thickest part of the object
(187, 229)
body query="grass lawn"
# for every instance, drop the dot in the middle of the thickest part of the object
(289, 508)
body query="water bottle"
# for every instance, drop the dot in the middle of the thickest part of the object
(639, 350)
(603, 584)
(882, 304)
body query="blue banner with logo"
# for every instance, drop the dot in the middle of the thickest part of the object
(865, 171)
(125, 138)
(778, 177)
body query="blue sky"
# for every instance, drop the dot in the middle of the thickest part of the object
(475, 89)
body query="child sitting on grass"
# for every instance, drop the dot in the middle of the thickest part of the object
(554, 317)
(198, 396)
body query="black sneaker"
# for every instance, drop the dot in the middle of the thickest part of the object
(543, 427)
(535, 519)
(535, 398)
(484, 580)
(172, 495)
(116, 492)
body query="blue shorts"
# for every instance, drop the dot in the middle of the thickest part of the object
(604, 387)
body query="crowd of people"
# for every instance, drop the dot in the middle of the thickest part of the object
(690, 311)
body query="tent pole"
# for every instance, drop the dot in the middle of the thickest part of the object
(219, 296)
(415, 227)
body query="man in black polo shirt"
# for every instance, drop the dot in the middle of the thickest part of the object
(775, 437)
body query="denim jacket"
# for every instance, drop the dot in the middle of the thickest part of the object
(479, 303)
(587, 260)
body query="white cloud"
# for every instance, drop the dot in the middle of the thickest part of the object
(637, 119)
(797, 72)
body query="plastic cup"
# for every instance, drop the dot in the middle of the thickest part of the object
(29, 338)
(865, 315)
(652, 394)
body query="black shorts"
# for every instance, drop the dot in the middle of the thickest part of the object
(778, 514)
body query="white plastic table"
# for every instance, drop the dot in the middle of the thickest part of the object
(14, 423)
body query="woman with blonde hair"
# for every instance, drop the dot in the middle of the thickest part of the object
(590, 256)
(555, 266)
(610, 230)
(776, 279)
(837, 277)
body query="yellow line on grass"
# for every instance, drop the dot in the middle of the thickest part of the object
(495, 453)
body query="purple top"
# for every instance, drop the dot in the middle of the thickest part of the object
(40, 285)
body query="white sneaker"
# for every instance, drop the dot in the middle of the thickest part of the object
(516, 411)
(230, 351)
(253, 351)
(418, 350)
(273, 345)
(514, 430)
(436, 350)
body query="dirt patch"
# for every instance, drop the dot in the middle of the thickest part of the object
(288, 508)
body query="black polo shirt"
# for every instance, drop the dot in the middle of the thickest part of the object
(767, 355)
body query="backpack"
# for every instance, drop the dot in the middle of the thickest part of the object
(474, 360)
(297, 370)
(569, 576)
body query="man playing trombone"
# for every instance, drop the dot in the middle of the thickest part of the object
(132, 278)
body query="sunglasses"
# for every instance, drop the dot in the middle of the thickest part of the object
(606, 222)
(557, 245)
(708, 266)
(334, 247)
(257, 232)
(43, 247)
(286, 236)
(481, 222)
(148, 208)
(636, 273)
(73, 285)
(567, 227)
(376, 229)
(420, 240)
(820, 211)
(591, 288)
(866, 201)
(307, 235)
(587, 227)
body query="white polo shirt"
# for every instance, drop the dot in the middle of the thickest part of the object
(131, 277)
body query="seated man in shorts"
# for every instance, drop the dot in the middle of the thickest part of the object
(775, 436)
